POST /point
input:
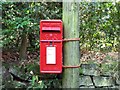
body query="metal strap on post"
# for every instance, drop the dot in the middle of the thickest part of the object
(64, 40)
(72, 39)
(67, 40)
(77, 66)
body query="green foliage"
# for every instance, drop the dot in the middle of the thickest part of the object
(24, 17)
(35, 83)
(99, 27)
(99, 23)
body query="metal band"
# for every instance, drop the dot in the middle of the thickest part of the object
(77, 66)
(72, 39)
(64, 40)
(70, 66)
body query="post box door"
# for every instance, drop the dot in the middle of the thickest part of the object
(50, 48)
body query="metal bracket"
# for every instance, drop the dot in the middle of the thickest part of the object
(72, 39)
(77, 66)
(63, 40)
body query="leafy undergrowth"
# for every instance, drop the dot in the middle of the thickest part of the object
(86, 56)
(25, 73)
(12, 56)
(99, 57)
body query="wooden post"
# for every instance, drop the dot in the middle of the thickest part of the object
(71, 49)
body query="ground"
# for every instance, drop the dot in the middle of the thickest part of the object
(22, 71)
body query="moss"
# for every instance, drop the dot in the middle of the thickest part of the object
(81, 71)
(109, 68)
(91, 62)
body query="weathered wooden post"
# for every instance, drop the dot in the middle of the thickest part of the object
(71, 48)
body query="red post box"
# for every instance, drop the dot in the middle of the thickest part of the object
(51, 46)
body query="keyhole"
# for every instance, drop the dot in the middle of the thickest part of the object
(50, 43)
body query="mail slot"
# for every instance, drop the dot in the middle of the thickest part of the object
(51, 32)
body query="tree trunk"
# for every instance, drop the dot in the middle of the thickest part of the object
(71, 49)
(23, 47)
